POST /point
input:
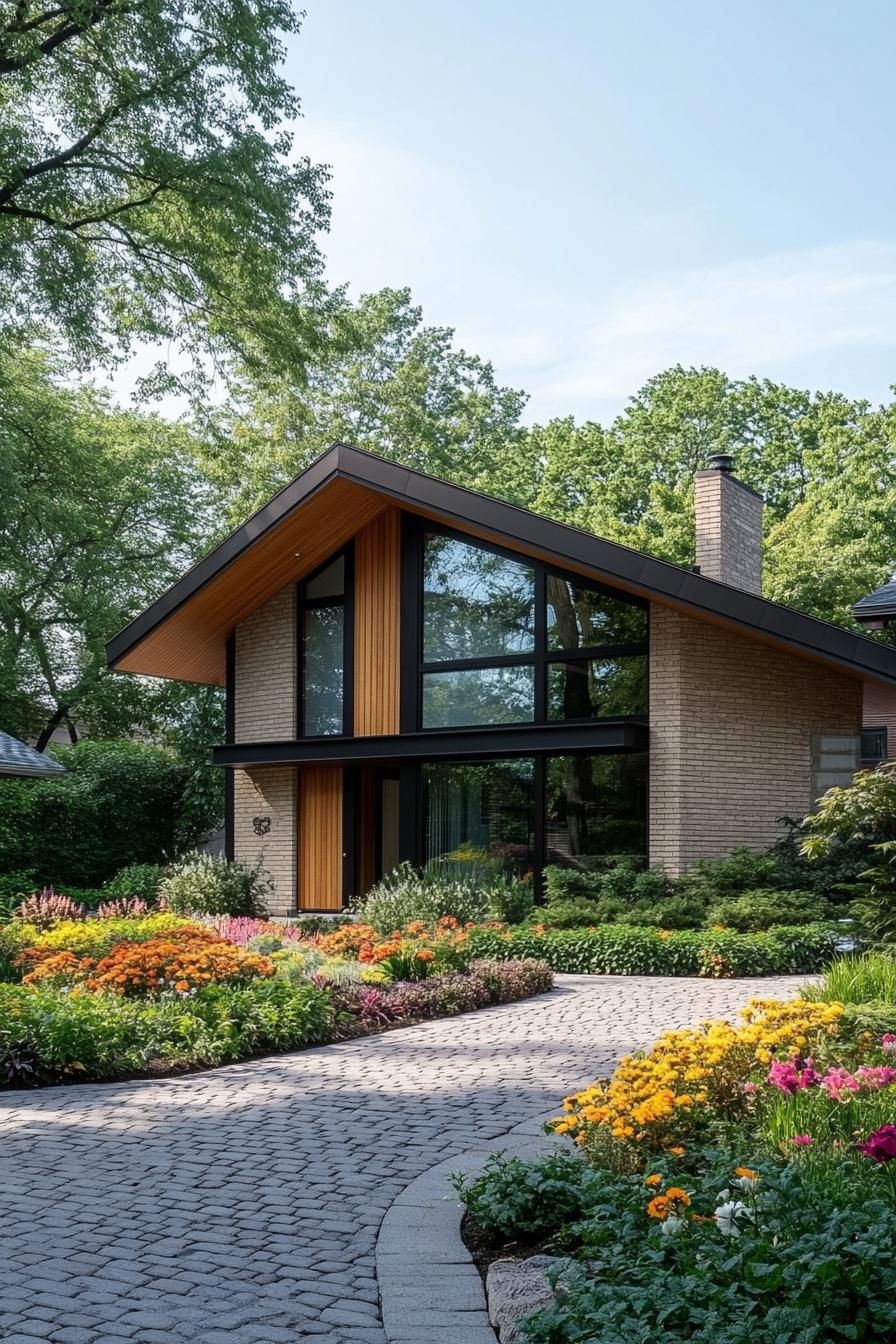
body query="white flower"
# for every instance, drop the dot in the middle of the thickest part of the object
(747, 1183)
(727, 1214)
(672, 1226)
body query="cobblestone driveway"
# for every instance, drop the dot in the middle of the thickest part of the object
(243, 1204)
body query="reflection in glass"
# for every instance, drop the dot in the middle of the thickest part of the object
(475, 604)
(478, 696)
(584, 688)
(329, 583)
(580, 618)
(323, 666)
(596, 810)
(479, 820)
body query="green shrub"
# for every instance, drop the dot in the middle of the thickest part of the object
(625, 950)
(761, 909)
(575, 913)
(857, 979)
(14, 887)
(309, 924)
(208, 884)
(408, 894)
(740, 871)
(513, 1200)
(511, 899)
(877, 1016)
(569, 884)
(138, 881)
(118, 803)
(673, 912)
(623, 884)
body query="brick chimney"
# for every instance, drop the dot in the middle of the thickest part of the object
(729, 527)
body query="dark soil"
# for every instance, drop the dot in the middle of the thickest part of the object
(485, 1248)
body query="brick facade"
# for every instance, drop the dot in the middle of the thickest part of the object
(265, 710)
(880, 712)
(735, 734)
(728, 518)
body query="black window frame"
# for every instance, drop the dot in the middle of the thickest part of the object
(347, 602)
(414, 668)
(881, 733)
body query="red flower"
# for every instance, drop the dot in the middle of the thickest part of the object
(881, 1145)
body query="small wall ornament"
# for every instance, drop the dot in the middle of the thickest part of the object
(261, 825)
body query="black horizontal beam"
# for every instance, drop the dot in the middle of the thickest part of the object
(609, 735)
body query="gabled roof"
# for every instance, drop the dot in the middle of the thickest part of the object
(16, 758)
(880, 603)
(184, 633)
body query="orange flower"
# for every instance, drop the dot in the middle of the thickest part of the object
(746, 1173)
(677, 1197)
(677, 1151)
(424, 954)
(654, 1180)
(658, 1207)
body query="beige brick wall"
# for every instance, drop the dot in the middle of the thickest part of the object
(732, 729)
(265, 802)
(728, 517)
(265, 672)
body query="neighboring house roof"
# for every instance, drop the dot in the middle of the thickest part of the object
(184, 633)
(880, 603)
(18, 759)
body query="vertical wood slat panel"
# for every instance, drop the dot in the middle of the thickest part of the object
(377, 594)
(320, 837)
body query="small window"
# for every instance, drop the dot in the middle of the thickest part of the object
(324, 632)
(874, 744)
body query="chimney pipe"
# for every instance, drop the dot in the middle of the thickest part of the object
(729, 526)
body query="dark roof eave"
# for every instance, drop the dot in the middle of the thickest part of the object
(656, 579)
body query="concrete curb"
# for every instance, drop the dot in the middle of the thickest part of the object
(430, 1290)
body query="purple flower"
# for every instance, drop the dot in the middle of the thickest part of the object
(881, 1145)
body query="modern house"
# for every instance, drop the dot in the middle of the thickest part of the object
(419, 671)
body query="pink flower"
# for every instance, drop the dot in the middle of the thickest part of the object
(801, 1140)
(876, 1078)
(840, 1084)
(790, 1078)
(749, 1088)
(888, 1044)
(881, 1145)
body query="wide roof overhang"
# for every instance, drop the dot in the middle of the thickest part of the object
(183, 635)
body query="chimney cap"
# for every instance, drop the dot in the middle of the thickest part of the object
(721, 462)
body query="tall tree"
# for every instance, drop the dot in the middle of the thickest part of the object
(148, 183)
(99, 510)
(386, 383)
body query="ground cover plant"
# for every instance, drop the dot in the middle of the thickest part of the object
(734, 1183)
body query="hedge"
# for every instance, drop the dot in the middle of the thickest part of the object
(617, 949)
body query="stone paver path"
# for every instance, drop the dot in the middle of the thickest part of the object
(243, 1204)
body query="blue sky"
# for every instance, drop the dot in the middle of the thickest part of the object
(589, 192)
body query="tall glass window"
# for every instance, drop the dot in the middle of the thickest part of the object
(596, 809)
(323, 652)
(508, 641)
(479, 819)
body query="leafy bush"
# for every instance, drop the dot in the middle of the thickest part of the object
(510, 980)
(14, 887)
(622, 885)
(761, 909)
(208, 884)
(674, 912)
(625, 950)
(118, 803)
(407, 895)
(513, 1200)
(576, 912)
(865, 812)
(511, 899)
(139, 881)
(306, 925)
(740, 871)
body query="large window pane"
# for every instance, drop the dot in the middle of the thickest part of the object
(322, 697)
(475, 604)
(596, 809)
(479, 820)
(579, 618)
(597, 688)
(478, 696)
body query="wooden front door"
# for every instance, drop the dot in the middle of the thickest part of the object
(321, 842)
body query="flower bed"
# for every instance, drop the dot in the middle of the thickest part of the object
(734, 1184)
(117, 997)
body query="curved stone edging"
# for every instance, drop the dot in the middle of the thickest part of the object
(430, 1290)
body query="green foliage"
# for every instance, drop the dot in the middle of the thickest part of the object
(513, 1200)
(100, 508)
(150, 186)
(740, 871)
(119, 803)
(802, 1270)
(511, 899)
(621, 950)
(140, 880)
(857, 979)
(408, 894)
(865, 811)
(208, 884)
(14, 887)
(757, 910)
(875, 892)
